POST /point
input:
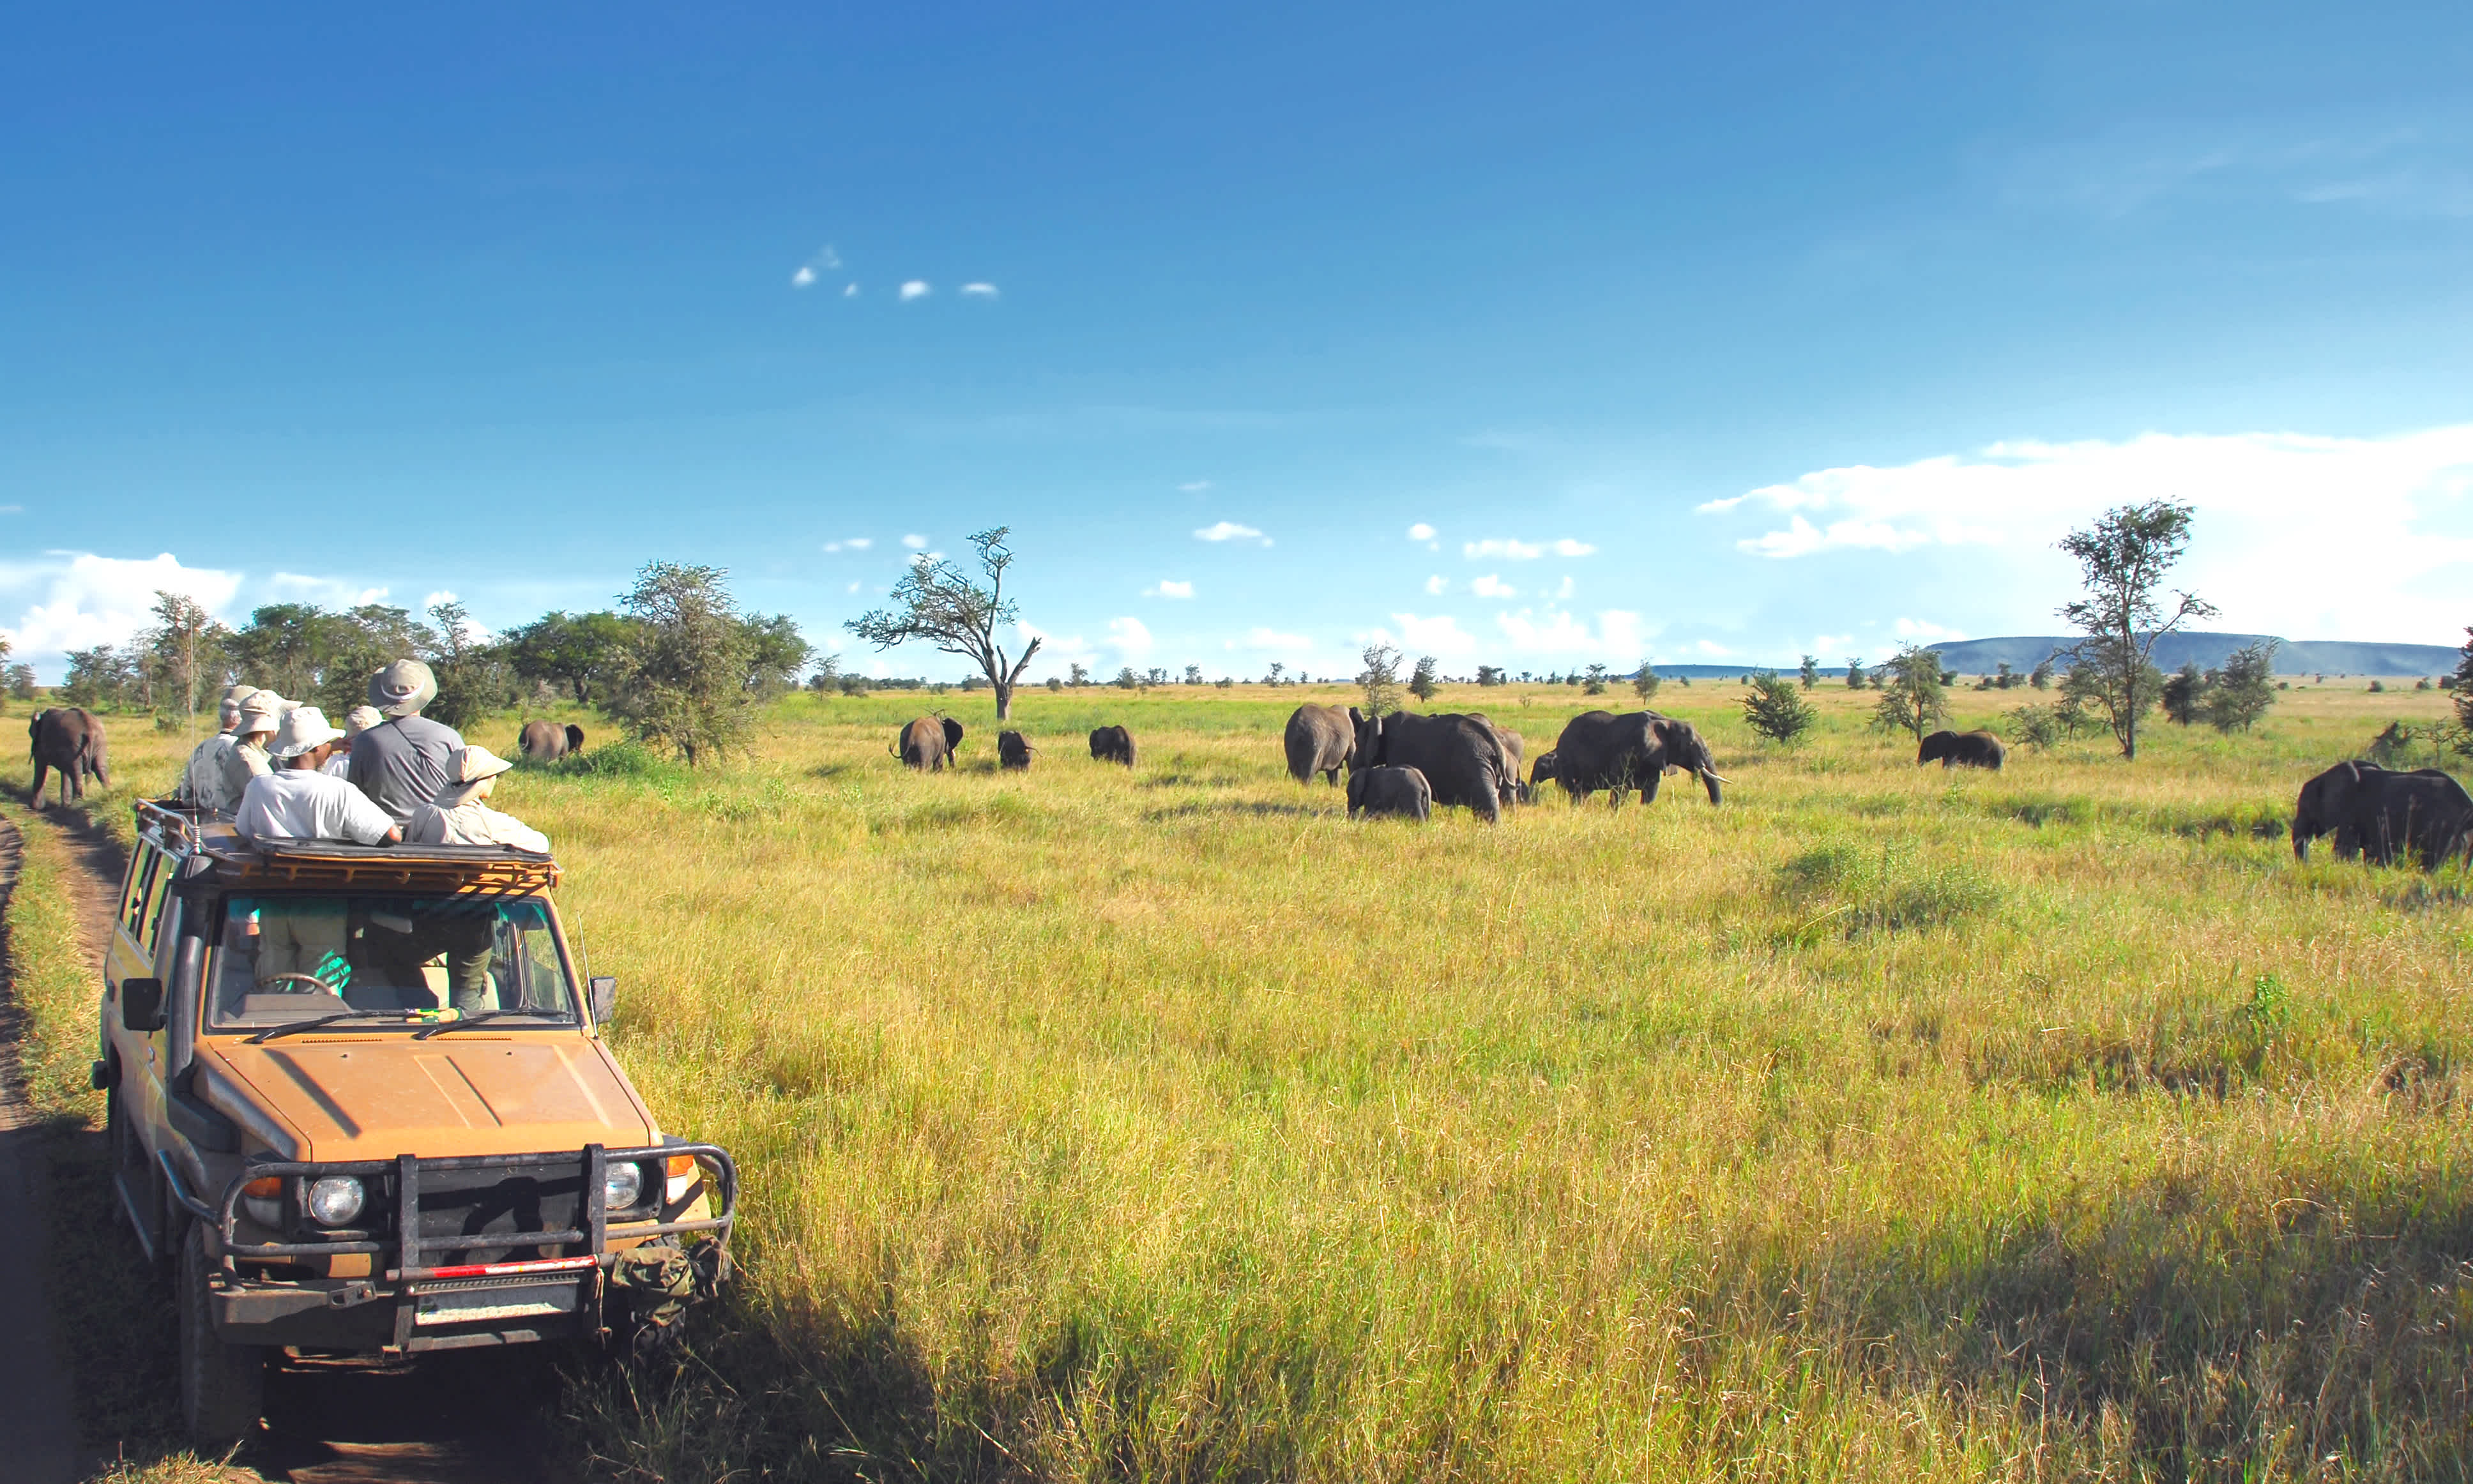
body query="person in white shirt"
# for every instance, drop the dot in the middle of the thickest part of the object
(357, 719)
(302, 944)
(203, 781)
(296, 801)
(457, 816)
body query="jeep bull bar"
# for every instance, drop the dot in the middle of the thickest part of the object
(410, 1248)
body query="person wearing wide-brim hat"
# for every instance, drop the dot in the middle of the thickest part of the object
(459, 816)
(401, 762)
(307, 936)
(357, 719)
(203, 781)
(259, 716)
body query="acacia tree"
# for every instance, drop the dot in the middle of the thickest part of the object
(1911, 699)
(1380, 679)
(940, 603)
(682, 678)
(1422, 683)
(2123, 559)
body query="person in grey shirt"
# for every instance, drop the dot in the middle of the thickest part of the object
(403, 762)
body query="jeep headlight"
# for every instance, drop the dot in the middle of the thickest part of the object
(621, 1186)
(334, 1199)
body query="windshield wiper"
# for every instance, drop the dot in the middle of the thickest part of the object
(314, 1021)
(479, 1015)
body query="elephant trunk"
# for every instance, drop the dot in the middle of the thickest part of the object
(1710, 780)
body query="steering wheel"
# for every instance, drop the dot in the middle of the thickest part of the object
(320, 985)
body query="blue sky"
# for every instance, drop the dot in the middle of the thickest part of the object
(1532, 336)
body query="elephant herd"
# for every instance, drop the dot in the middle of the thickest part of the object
(1404, 763)
(929, 744)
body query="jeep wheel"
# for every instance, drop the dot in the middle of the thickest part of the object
(223, 1386)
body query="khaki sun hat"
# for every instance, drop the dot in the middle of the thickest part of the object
(304, 727)
(360, 719)
(233, 699)
(403, 687)
(263, 711)
(467, 769)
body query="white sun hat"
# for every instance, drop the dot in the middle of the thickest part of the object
(304, 727)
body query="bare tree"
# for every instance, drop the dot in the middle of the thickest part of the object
(2123, 557)
(940, 603)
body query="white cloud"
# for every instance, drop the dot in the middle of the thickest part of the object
(2263, 527)
(851, 543)
(1440, 636)
(916, 288)
(1516, 551)
(915, 542)
(1259, 637)
(77, 600)
(1230, 531)
(854, 586)
(1824, 645)
(1130, 636)
(324, 591)
(1926, 632)
(803, 277)
(1420, 532)
(1618, 633)
(11, 509)
(1567, 547)
(850, 291)
(1564, 590)
(1054, 646)
(1492, 586)
(1437, 584)
(826, 260)
(978, 290)
(1714, 650)
(1169, 589)
(441, 595)
(1195, 487)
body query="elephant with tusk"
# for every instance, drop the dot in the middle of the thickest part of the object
(1619, 754)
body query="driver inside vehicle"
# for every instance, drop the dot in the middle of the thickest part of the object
(279, 957)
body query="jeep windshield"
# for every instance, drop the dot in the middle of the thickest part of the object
(375, 961)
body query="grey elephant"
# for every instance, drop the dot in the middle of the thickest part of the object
(548, 741)
(1541, 771)
(1111, 744)
(2423, 816)
(1012, 751)
(1460, 756)
(1319, 739)
(1374, 791)
(1962, 749)
(927, 744)
(1514, 754)
(1619, 754)
(69, 739)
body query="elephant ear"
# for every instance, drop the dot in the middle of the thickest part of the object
(1355, 717)
(952, 733)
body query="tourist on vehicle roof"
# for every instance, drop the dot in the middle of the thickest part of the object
(259, 715)
(459, 817)
(297, 801)
(401, 761)
(357, 719)
(202, 782)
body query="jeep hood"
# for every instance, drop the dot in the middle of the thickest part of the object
(370, 1097)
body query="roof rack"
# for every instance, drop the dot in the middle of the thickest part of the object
(431, 870)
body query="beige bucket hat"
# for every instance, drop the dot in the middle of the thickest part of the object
(263, 711)
(360, 719)
(403, 687)
(229, 713)
(467, 769)
(304, 727)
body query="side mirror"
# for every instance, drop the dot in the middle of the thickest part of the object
(141, 1004)
(601, 993)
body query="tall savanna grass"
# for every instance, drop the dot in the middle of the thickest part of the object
(1884, 1123)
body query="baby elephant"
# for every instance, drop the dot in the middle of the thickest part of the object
(1111, 744)
(1376, 791)
(1012, 751)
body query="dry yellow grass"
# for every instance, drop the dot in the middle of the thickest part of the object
(1884, 1123)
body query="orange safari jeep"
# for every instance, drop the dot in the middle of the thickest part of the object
(358, 1106)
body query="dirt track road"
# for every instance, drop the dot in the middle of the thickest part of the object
(477, 1418)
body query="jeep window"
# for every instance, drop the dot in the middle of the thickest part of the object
(281, 958)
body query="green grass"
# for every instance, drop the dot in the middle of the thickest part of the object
(1886, 1123)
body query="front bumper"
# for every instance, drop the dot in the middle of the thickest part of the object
(411, 1302)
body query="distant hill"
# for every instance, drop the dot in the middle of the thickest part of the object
(2293, 656)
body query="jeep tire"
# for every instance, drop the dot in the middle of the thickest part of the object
(223, 1387)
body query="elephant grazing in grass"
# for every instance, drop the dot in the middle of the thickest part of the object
(1381, 791)
(71, 740)
(2423, 816)
(1954, 749)
(1320, 739)
(1012, 751)
(1461, 757)
(548, 741)
(927, 744)
(1111, 744)
(1619, 754)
